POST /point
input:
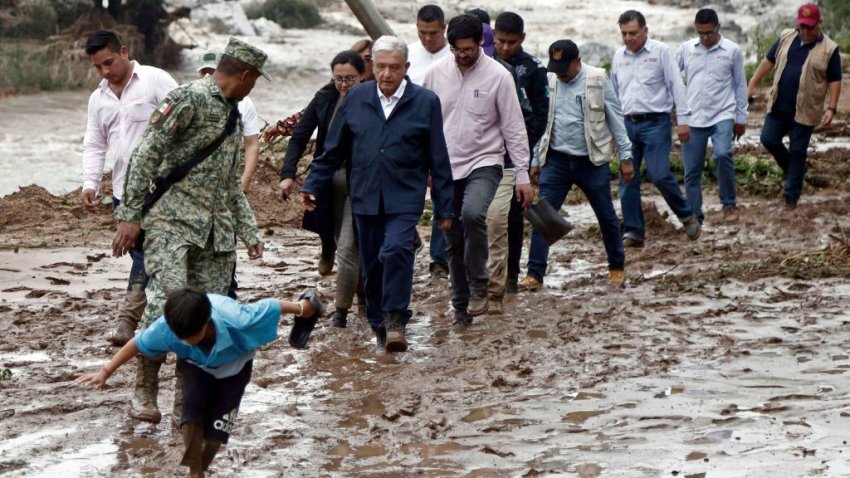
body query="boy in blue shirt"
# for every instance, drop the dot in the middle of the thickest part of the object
(214, 338)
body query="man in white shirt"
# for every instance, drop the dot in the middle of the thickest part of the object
(250, 137)
(118, 112)
(432, 46)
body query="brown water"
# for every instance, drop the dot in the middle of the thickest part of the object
(675, 375)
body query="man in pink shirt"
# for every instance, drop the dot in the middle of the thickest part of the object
(119, 109)
(481, 117)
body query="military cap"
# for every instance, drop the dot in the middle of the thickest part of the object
(209, 59)
(248, 54)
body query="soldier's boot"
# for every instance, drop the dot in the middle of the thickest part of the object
(193, 443)
(129, 316)
(177, 410)
(210, 449)
(144, 406)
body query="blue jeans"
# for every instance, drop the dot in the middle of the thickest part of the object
(693, 155)
(557, 177)
(792, 160)
(651, 140)
(137, 270)
(439, 253)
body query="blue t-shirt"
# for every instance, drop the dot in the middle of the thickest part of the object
(789, 82)
(239, 330)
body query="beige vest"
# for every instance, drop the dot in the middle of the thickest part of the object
(596, 131)
(813, 82)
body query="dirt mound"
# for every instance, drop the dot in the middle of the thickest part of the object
(656, 221)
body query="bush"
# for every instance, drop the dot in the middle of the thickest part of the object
(763, 36)
(27, 69)
(37, 19)
(287, 13)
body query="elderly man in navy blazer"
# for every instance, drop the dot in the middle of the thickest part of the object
(392, 132)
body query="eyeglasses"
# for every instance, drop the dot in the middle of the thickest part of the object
(464, 51)
(348, 80)
(709, 33)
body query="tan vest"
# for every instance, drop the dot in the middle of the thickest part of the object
(596, 131)
(813, 82)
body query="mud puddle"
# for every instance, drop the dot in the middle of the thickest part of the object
(693, 369)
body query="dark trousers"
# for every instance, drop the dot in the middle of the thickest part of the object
(467, 238)
(792, 160)
(212, 402)
(437, 248)
(386, 258)
(137, 254)
(516, 225)
(557, 177)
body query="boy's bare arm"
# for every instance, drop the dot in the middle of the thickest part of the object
(98, 379)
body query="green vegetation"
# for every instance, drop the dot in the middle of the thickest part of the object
(38, 19)
(38, 69)
(287, 13)
(836, 22)
(763, 36)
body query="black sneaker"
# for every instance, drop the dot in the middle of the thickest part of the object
(302, 327)
(339, 318)
(512, 286)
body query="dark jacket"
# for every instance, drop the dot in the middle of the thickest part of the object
(533, 90)
(318, 114)
(390, 158)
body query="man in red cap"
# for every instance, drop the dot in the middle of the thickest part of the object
(808, 66)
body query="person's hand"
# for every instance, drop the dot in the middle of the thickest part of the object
(738, 131)
(524, 195)
(246, 185)
(89, 199)
(627, 171)
(125, 238)
(445, 224)
(534, 175)
(271, 132)
(255, 251)
(286, 188)
(309, 201)
(428, 182)
(93, 380)
(684, 133)
(828, 115)
(752, 93)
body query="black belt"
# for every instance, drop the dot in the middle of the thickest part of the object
(554, 152)
(637, 118)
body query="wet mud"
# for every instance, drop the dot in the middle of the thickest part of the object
(721, 357)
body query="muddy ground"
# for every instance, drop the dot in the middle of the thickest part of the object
(722, 357)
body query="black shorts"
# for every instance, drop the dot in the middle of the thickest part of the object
(212, 402)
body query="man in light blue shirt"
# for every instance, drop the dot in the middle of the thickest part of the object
(648, 84)
(717, 99)
(584, 119)
(214, 338)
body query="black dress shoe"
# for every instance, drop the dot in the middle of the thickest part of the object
(339, 318)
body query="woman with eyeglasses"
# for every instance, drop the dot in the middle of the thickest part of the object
(331, 220)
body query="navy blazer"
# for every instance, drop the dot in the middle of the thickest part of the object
(390, 158)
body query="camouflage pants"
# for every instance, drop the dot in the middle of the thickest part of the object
(171, 264)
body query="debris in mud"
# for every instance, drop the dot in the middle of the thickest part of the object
(492, 451)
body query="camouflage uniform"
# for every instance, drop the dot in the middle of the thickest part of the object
(190, 230)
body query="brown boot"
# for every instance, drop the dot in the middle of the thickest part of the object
(210, 449)
(129, 316)
(395, 333)
(193, 442)
(177, 409)
(144, 406)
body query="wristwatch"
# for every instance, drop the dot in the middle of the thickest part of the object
(833, 109)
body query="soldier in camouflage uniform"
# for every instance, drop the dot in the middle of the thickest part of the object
(190, 230)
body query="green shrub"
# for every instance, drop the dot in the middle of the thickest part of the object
(37, 19)
(763, 36)
(40, 69)
(287, 13)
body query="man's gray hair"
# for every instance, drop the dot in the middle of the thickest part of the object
(389, 43)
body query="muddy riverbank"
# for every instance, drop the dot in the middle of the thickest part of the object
(721, 357)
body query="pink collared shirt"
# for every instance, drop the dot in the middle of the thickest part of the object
(481, 116)
(116, 124)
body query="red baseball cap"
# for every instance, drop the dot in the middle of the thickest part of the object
(808, 14)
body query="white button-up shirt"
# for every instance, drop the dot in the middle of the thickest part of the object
(116, 124)
(716, 82)
(388, 104)
(649, 81)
